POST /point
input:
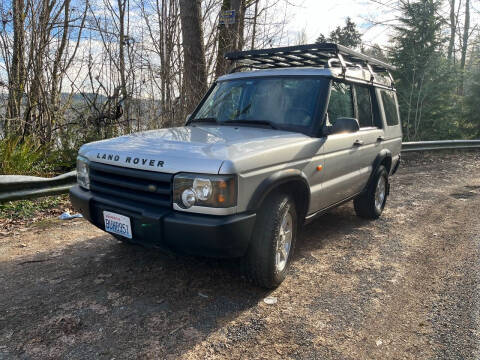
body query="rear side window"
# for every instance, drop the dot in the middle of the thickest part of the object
(390, 107)
(364, 106)
(341, 104)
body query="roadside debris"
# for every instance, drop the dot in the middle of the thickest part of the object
(66, 216)
(270, 300)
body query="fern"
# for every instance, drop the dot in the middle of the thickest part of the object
(21, 157)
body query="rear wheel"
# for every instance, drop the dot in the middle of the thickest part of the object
(267, 260)
(371, 203)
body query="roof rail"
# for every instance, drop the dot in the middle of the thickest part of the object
(317, 55)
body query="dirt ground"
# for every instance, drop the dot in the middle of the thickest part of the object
(403, 287)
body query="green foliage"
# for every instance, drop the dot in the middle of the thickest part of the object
(471, 114)
(348, 35)
(425, 80)
(27, 209)
(26, 156)
(20, 156)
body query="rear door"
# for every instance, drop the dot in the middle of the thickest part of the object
(371, 134)
(393, 128)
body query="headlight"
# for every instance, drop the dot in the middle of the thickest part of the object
(83, 172)
(215, 191)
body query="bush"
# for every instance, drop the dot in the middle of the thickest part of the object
(21, 156)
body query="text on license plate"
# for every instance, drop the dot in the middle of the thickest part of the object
(117, 224)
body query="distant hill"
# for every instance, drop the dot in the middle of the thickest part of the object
(79, 98)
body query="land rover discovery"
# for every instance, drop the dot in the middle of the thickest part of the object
(305, 129)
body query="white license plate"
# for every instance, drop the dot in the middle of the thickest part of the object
(117, 224)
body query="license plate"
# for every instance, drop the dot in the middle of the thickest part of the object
(117, 224)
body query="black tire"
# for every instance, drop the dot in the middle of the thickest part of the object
(259, 264)
(365, 203)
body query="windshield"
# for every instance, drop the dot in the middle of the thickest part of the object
(283, 102)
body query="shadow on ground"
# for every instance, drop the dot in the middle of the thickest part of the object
(101, 298)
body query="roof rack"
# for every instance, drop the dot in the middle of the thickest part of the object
(325, 55)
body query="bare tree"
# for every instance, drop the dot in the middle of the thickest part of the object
(465, 37)
(453, 29)
(16, 66)
(193, 52)
(79, 70)
(228, 34)
(36, 63)
(254, 26)
(161, 56)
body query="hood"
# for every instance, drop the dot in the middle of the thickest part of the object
(199, 149)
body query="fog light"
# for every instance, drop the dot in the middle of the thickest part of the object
(189, 198)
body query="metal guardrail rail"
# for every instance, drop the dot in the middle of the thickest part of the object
(439, 145)
(14, 187)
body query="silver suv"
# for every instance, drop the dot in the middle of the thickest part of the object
(265, 151)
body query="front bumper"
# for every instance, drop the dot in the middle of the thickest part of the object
(193, 234)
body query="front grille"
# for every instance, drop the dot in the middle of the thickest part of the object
(138, 186)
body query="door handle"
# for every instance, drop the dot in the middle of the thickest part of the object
(380, 139)
(358, 143)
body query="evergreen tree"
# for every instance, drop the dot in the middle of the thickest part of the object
(347, 35)
(471, 108)
(424, 78)
(374, 51)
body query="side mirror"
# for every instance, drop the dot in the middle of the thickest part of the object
(188, 118)
(345, 125)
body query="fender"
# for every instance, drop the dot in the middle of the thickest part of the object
(382, 155)
(273, 181)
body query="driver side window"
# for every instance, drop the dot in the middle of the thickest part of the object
(341, 102)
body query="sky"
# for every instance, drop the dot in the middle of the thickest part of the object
(323, 16)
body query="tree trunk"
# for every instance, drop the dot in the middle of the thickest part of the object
(254, 28)
(193, 52)
(55, 88)
(241, 26)
(228, 36)
(122, 67)
(466, 30)
(453, 27)
(36, 112)
(17, 74)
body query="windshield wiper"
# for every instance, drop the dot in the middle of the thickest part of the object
(251, 122)
(207, 119)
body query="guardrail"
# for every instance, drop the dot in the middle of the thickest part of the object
(14, 187)
(440, 144)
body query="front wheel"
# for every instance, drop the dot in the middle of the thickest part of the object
(371, 203)
(267, 260)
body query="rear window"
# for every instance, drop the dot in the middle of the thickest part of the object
(390, 107)
(364, 106)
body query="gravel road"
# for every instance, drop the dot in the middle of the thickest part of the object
(403, 287)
